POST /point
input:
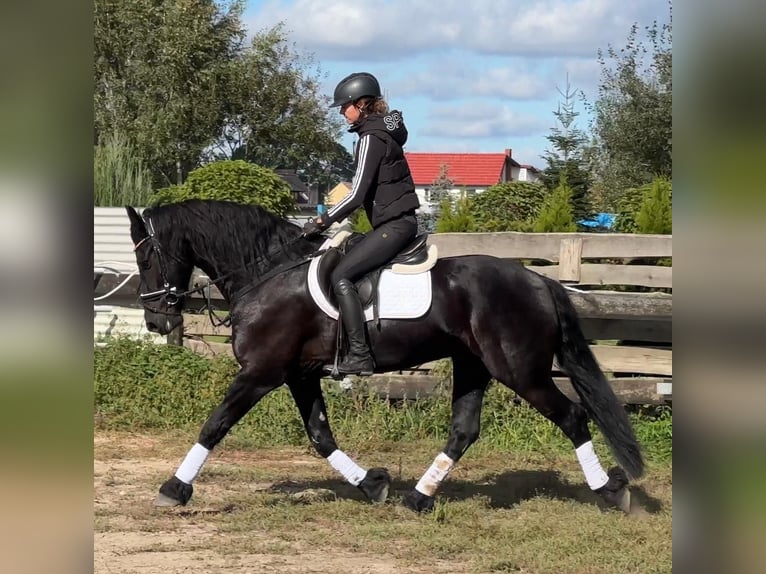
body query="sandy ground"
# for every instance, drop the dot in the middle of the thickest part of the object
(131, 536)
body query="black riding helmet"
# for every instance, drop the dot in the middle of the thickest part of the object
(355, 86)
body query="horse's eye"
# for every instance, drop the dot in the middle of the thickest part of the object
(146, 265)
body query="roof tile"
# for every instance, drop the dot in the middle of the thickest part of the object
(480, 169)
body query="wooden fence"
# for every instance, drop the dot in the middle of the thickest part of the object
(620, 292)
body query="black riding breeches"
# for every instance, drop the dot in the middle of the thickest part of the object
(376, 248)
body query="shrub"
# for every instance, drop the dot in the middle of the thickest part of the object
(359, 221)
(119, 175)
(658, 213)
(511, 206)
(557, 214)
(455, 218)
(238, 181)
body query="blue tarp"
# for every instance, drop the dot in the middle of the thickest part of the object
(600, 220)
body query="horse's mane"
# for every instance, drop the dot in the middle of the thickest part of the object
(229, 235)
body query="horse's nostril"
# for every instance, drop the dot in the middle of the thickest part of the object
(152, 327)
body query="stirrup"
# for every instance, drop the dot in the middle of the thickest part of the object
(337, 371)
(333, 371)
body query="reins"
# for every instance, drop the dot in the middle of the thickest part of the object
(172, 296)
(226, 321)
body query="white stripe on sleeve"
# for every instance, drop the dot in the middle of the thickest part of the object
(364, 144)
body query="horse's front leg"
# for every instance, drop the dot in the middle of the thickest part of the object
(248, 387)
(470, 379)
(307, 392)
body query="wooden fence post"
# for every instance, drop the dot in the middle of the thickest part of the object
(570, 259)
(176, 336)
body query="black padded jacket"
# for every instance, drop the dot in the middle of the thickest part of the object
(382, 182)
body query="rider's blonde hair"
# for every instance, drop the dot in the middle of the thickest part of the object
(372, 105)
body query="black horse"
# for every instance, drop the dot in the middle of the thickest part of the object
(492, 317)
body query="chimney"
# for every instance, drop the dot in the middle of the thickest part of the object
(507, 173)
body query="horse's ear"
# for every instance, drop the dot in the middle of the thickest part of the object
(137, 225)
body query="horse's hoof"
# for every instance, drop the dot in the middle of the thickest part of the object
(174, 493)
(165, 501)
(418, 502)
(375, 484)
(615, 492)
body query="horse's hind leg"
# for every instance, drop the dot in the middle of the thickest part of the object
(245, 391)
(470, 379)
(539, 390)
(307, 392)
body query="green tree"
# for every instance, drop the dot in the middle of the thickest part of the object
(237, 181)
(455, 217)
(647, 209)
(656, 212)
(557, 214)
(276, 115)
(160, 68)
(510, 206)
(437, 192)
(566, 157)
(632, 116)
(359, 221)
(176, 78)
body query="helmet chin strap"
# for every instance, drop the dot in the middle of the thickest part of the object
(364, 112)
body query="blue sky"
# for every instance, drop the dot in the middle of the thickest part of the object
(469, 75)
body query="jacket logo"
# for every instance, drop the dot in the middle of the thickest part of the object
(392, 121)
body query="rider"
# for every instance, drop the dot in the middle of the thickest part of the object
(383, 185)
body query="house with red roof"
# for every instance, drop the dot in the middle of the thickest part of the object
(471, 173)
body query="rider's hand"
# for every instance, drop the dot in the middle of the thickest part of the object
(313, 227)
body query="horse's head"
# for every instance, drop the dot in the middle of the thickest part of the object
(164, 276)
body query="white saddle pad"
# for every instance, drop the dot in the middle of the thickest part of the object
(399, 296)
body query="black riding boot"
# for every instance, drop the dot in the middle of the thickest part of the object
(358, 360)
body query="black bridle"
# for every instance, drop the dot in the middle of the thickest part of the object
(168, 291)
(172, 295)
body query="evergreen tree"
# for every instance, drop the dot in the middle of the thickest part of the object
(438, 191)
(567, 155)
(656, 212)
(556, 213)
(455, 218)
(359, 221)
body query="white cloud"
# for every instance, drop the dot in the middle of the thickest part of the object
(481, 121)
(374, 30)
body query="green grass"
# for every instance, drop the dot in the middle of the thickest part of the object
(140, 386)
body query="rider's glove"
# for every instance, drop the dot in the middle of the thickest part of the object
(313, 227)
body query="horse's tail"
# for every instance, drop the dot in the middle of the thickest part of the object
(598, 398)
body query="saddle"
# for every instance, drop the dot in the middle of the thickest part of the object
(416, 257)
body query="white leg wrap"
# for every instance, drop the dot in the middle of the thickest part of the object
(351, 471)
(594, 473)
(192, 464)
(435, 475)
